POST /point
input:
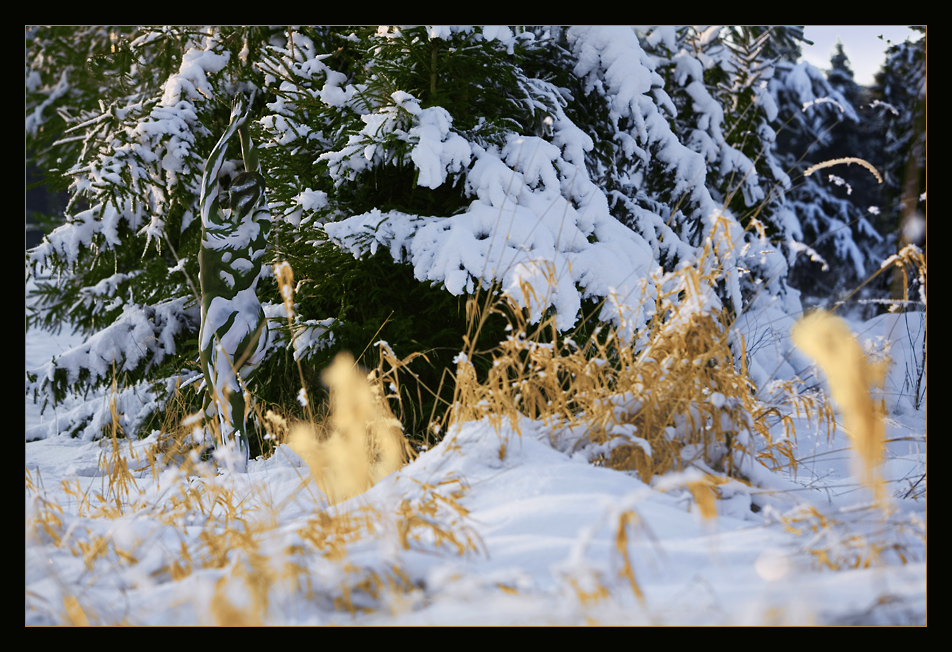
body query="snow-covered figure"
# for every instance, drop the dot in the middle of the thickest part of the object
(234, 239)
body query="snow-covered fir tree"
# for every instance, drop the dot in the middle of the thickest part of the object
(838, 247)
(899, 104)
(718, 78)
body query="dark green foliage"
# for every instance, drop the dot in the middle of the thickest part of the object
(374, 299)
(484, 87)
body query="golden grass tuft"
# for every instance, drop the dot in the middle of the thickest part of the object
(364, 441)
(828, 340)
(437, 517)
(669, 397)
(113, 464)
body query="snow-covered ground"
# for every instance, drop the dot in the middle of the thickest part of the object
(466, 535)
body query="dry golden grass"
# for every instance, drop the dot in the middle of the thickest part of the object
(858, 538)
(851, 375)
(668, 397)
(828, 340)
(845, 161)
(364, 441)
(74, 611)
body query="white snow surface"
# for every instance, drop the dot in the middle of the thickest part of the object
(539, 529)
